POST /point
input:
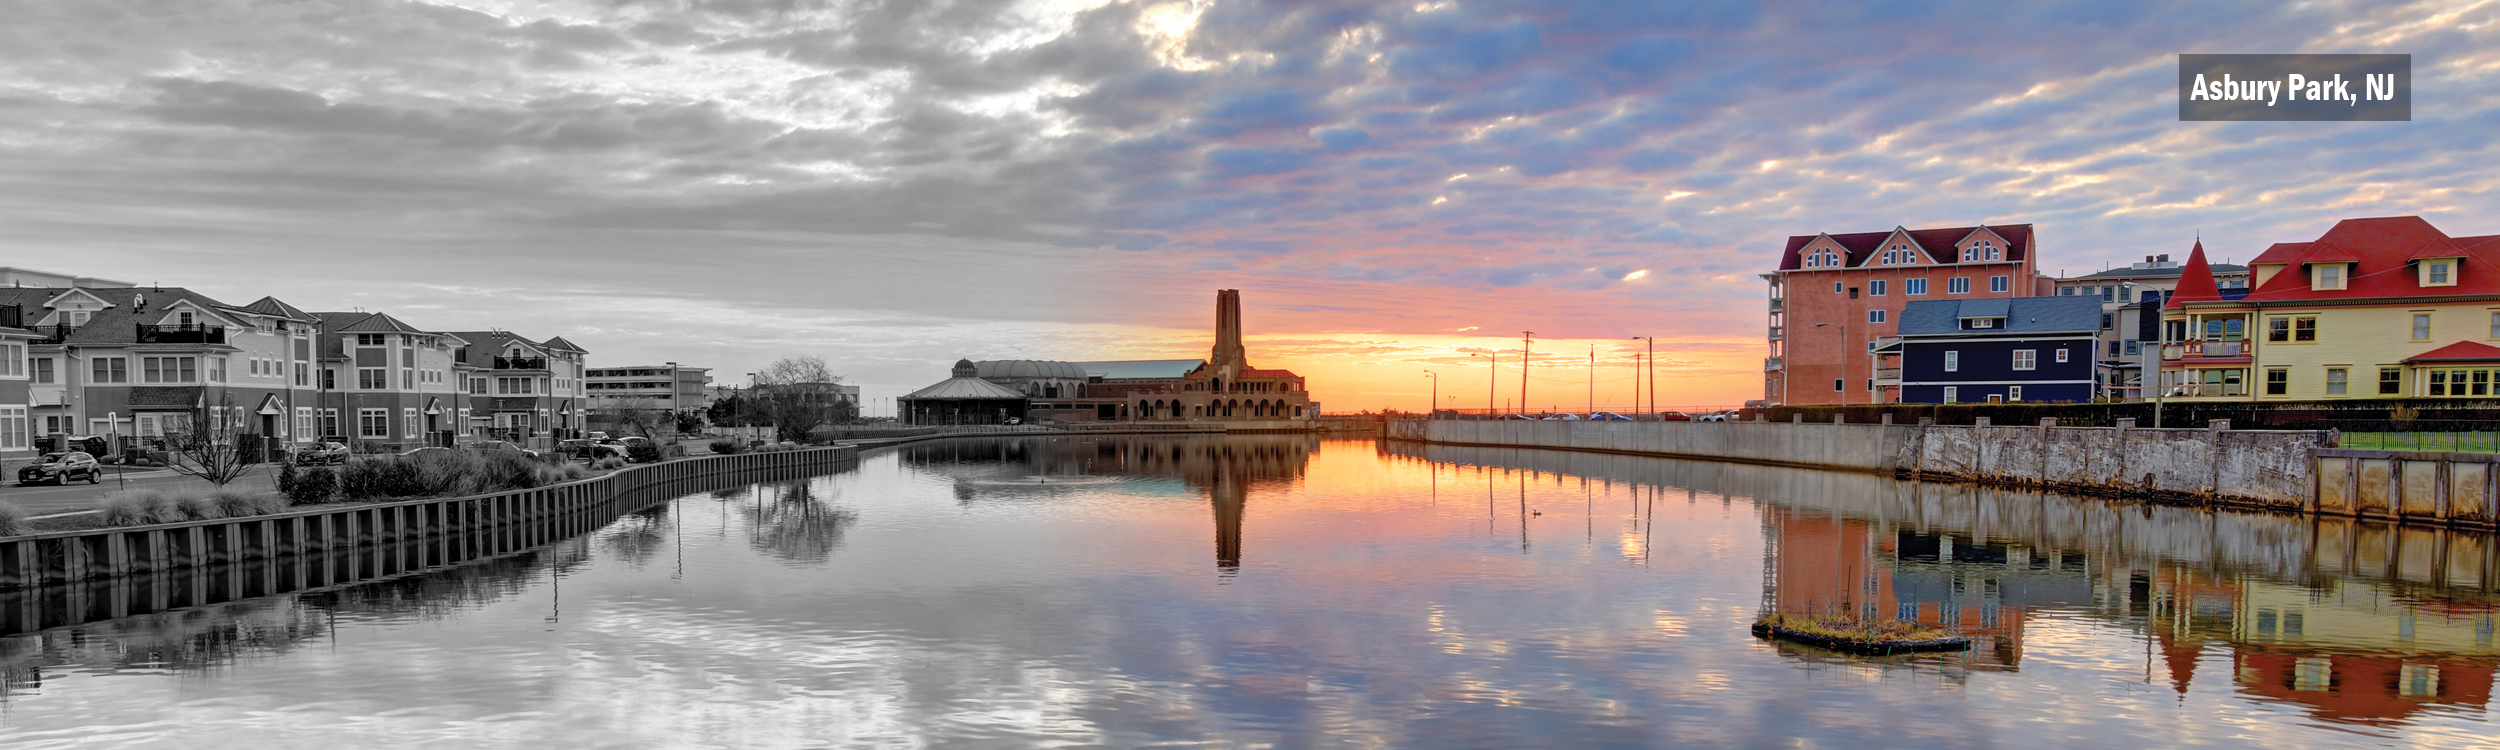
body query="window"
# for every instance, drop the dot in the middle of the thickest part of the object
(109, 370)
(2134, 347)
(2278, 381)
(2109, 293)
(1957, 285)
(1952, 361)
(1870, 385)
(330, 380)
(1877, 288)
(13, 429)
(2305, 329)
(1853, 292)
(2026, 359)
(368, 339)
(1983, 322)
(2113, 350)
(1835, 287)
(2108, 321)
(2421, 326)
(1951, 395)
(2495, 329)
(2065, 291)
(2436, 272)
(169, 369)
(408, 418)
(2013, 393)
(2335, 380)
(1874, 316)
(373, 423)
(373, 378)
(2061, 356)
(1837, 385)
(45, 374)
(1999, 283)
(1919, 286)
(2329, 276)
(216, 369)
(2391, 381)
(2278, 329)
(12, 360)
(2126, 293)
(303, 423)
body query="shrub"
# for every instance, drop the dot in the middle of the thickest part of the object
(286, 476)
(643, 453)
(198, 508)
(313, 487)
(610, 463)
(726, 447)
(236, 503)
(12, 519)
(565, 473)
(135, 507)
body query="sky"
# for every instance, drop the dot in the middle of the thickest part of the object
(1395, 188)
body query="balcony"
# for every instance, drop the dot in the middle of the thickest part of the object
(1770, 363)
(12, 316)
(520, 363)
(2195, 350)
(1887, 376)
(2205, 390)
(1778, 303)
(1779, 332)
(55, 333)
(181, 334)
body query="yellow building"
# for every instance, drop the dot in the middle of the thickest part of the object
(2375, 308)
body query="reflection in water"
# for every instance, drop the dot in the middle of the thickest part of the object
(1055, 591)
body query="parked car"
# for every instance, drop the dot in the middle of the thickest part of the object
(61, 468)
(1607, 416)
(498, 445)
(1516, 416)
(1563, 417)
(592, 450)
(321, 453)
(1674, 416)
(1723, 415)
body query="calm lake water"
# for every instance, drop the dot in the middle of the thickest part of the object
(1284, 591)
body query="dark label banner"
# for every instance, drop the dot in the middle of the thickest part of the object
(2322, 88)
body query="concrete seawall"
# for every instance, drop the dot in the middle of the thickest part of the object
(2254, 469)
(381, 538)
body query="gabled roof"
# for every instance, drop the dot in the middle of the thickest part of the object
(2381, 251)
(272, 307)
(378, 323)
(117, 325)
(559, 343)
(1939, 244)
(2462, 351)
(2021, 314)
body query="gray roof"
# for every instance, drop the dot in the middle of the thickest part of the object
(1140, 369)
(965, 388)
(1028, 368)
(2131, 272)
(2021, 314)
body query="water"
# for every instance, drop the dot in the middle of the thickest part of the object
(1287, 592)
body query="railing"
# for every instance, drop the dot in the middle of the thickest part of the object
(59, 332)
(2200, 390)
(520, 363)
(186, 333)
(1884, 374)
(2203, 349)
(1779, 332)
(1771, 363)
(1778, 303)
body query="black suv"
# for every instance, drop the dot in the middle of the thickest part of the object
(61, 468)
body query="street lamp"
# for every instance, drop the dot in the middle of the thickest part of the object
(1435, 403)
(1495, 373)
(1652, 362)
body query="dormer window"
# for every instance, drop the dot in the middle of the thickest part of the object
(2439, 272)
(1983, 322)
(2327, 276)
(1822, 259)
(1983, 250)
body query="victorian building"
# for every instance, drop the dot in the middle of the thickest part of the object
(1835, 297)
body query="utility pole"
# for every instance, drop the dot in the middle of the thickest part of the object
(1651, 362)
(1493, 372)
(1592, 378)
(1433, 407)
(1524, 340)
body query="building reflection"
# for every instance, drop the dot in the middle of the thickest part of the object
(2352, 621)
(1225, 469)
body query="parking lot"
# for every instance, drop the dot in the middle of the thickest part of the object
(41, 500)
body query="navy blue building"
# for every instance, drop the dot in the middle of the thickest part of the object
(2034, 349)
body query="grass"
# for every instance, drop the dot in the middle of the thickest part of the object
(13, 519)
(146, 506)
(1846, 628)
(2463, 442)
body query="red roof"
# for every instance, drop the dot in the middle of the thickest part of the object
(1937, 243)
(2381, 251)
(2462, 351)
(2196, 280)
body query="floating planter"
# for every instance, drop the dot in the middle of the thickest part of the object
(1852, 635)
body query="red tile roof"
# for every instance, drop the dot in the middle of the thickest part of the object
(2196, 280)
(1938, 243)
(2380, 250)
(2462, 351)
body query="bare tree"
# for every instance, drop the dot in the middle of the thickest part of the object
(643, 416)
(797, 394)
(204, 443)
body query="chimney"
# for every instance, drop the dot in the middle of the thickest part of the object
(2148, 259)
(2165, 257)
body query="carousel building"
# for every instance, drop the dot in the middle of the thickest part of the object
(963, 399)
